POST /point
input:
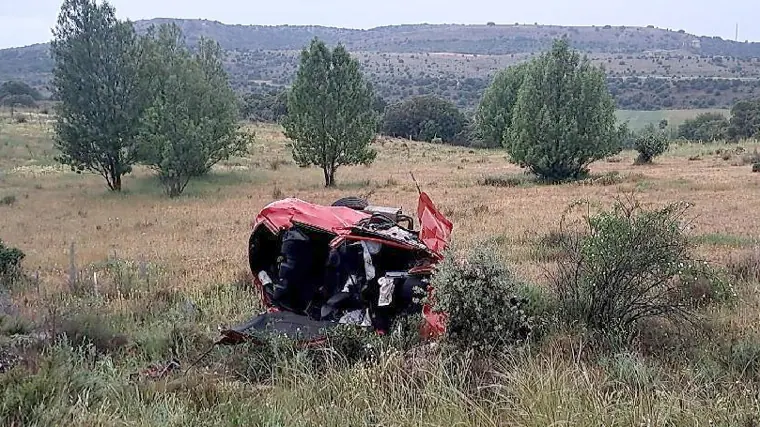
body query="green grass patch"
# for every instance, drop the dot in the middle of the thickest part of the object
(721, 239)
(26, 144)
(640, 119)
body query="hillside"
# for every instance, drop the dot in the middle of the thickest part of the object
(648, 68)
(473, 39)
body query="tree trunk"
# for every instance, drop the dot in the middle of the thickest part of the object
(112, 176)
(329, 176)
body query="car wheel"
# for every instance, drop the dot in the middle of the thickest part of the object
(352, 202)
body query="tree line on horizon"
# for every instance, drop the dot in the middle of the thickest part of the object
(126, 99)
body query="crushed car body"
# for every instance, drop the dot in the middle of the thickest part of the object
(318, 266)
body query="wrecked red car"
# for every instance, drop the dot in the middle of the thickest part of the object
(318, 266)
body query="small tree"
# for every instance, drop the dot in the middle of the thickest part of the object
(650, 143)
(629, 263)
(270, 106)
(18, 94)
(11, 88)
(564, 117)
(423, 118)
(480, 298)
(745, 120)
(494, 114)
(192, 122)
(331, 119)
(95, 79)
(704, 127)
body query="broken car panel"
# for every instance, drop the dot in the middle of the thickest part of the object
(318, 266)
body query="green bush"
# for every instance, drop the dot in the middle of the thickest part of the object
(650, 143)
(424, 118)
(705, 127)
(480, 298)
(628, 264)
(563, 118)
(10, 263)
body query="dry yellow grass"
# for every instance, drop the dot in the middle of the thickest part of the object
(198, 245)
(201, 238)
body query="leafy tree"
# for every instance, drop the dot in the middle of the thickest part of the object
(626, 136)
(745, 120)
(95, 79)
(423, 118)
(191, 124)
(494, 114)
(704, 127)
(18, 94)
(14, 101)
(11, 88)
(270, 106)
(564, 118)
(330, 118)
(650, 143)
(379, 104)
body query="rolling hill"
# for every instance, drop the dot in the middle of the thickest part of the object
(648, 68)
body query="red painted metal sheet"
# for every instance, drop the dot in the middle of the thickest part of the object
(435, 228)
(281, 214)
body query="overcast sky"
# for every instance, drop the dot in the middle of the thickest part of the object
(24, 22)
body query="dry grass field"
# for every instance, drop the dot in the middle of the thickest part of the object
(167, 273)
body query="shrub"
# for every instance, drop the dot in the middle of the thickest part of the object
(13, 325)
(625, 267)
(753, 157)
(424, 118)
(700, 285)
(191, 124)
(704, 127)
(479, 296)
(8, 200)
(10, 263)
(745, 120)
(11, 89)
(650, 143)
(549, 247)
(563, 118)
(505, 181)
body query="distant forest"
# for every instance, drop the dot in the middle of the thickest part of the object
(648, 68)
